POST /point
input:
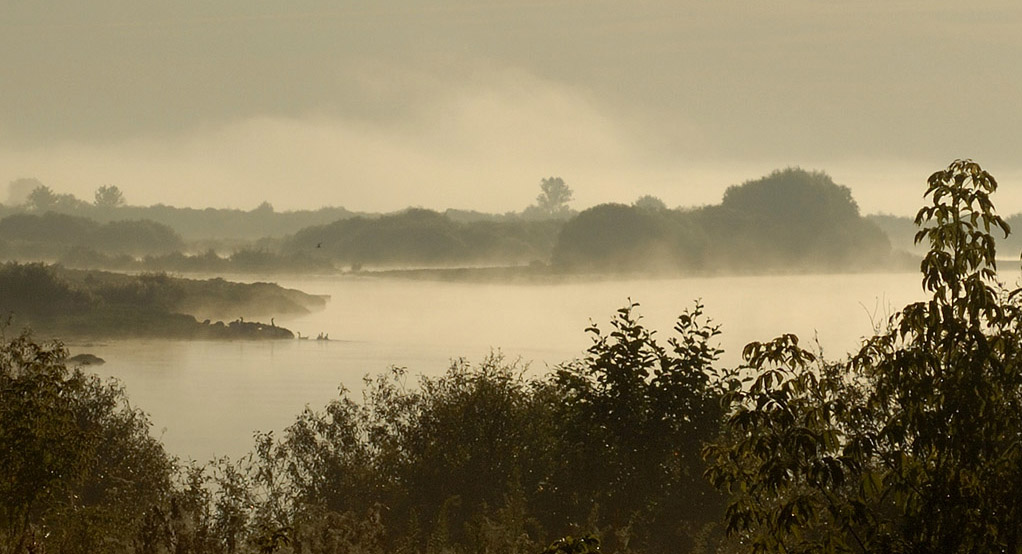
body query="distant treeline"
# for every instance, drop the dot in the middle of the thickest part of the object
(214, 224)
(221, 223)
(190, 223)
(245, 260)
(51, 235)
(789, 220)
(133, 245)
(424, 237)
(54, 300)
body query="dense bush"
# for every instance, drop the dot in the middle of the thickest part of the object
(632, 416)
(79, 471)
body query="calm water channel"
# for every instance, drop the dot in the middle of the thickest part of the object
(206, 398)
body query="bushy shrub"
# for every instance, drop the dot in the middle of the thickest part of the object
(79, 471)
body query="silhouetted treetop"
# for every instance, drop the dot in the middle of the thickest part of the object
(552, 202)
(793, 194)
(108, 196)
(555, 196)
(649, 202)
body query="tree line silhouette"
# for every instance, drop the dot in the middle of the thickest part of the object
(790, 220)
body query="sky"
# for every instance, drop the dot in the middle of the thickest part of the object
(377, 106)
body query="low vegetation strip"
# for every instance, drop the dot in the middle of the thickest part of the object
(790, 220)
(73, 303)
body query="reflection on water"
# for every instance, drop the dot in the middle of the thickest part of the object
(207, 398)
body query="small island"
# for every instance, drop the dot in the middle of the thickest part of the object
(56, 301)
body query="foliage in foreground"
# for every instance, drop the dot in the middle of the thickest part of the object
(911, 445)
(79, 471)
(484, 459)
(481, 459)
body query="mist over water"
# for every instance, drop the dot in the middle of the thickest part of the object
(206, 398)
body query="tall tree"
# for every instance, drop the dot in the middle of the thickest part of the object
(554, 198)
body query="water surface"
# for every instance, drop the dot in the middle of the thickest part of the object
(206, 398)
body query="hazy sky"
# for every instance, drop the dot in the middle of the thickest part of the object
(469, 104)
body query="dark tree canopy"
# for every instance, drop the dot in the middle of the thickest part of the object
(793, 218)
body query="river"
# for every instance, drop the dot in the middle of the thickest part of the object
(206, 398)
